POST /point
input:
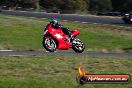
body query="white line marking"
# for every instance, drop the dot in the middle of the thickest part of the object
(16, 55)
(95, 23)
(76, 21)
(48, 51)
(6, 50)
(84, 22)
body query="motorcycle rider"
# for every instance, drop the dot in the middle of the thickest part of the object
(56, 25)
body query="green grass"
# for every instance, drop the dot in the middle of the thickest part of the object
(24, 33)
(57, 72)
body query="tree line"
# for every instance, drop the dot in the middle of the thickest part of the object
(71, 5)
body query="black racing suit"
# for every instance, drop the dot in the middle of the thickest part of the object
(64, 30)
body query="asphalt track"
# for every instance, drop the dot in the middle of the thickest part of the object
(43, 53)
(92, 19)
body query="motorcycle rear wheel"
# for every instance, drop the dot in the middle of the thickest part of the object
(78, 46)
(49, 44)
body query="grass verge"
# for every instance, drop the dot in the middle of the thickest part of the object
(57, 72)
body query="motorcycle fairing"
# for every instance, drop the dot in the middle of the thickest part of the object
(75, 33)
(63, 40)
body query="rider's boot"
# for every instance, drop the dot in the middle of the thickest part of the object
(71, 38)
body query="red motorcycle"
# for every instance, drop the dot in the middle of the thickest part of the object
(55, 39)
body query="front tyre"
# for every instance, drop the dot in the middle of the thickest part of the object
(49, 44)
(78, 46)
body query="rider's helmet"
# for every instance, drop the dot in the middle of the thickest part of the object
(54, 21)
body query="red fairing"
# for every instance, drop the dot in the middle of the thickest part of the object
(75, 33)
(62, 39)
(57, 38)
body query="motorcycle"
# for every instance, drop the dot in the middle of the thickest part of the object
(127, 18)
(55, 39)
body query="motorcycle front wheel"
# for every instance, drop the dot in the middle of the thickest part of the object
(78, 46)
(49, 44)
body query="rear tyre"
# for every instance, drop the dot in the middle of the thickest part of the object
(78, 46)
(49, 44)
